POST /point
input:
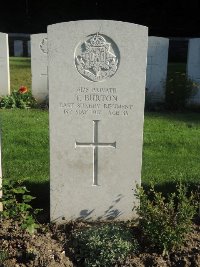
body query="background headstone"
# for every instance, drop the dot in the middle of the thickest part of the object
(39, 66)
(193, 68)
(157, 60)
(18, 48)
(97, 75)
(4, 65)
(29, 48)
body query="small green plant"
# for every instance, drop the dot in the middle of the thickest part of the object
(179, 88)
(16, 205)
(103, 245)
(21, 98)
(166, 222)
(3, 256)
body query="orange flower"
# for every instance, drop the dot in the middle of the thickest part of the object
(23, 89)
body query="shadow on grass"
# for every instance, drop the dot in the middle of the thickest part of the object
(171, 187)
(174, 67)
(41, 192)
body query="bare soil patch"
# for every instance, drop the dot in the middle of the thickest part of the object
(50, 247)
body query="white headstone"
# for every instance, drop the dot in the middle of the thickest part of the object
(18, 48)
(4, 65)
(29, 48)
(39, 67)
(193, 67)
(157, 61)
(96, 90)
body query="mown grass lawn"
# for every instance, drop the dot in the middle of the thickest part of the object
(20, 72)
(25, 144)
(25, 150)
(171, 148)
(171, 151)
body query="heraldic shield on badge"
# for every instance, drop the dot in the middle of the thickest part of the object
(97, 58)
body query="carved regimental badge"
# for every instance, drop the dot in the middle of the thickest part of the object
(43, 45)
(97, 58)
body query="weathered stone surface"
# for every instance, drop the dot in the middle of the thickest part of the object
(39, 66)
(4, 65)
(96, 90)
(18, 48)
(157, 61)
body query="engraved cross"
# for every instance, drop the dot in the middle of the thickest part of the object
(95, 145)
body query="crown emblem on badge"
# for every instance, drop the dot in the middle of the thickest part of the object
(97, 40)
(97, 58)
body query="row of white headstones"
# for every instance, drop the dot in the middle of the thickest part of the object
(157, 62)
(95, 78)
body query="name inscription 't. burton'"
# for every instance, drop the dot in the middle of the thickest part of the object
(94, 97)
(96, 101)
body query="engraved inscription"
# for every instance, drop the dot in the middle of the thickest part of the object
(97, 58)
(43, 46)
(95, 145)
(97, 101)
